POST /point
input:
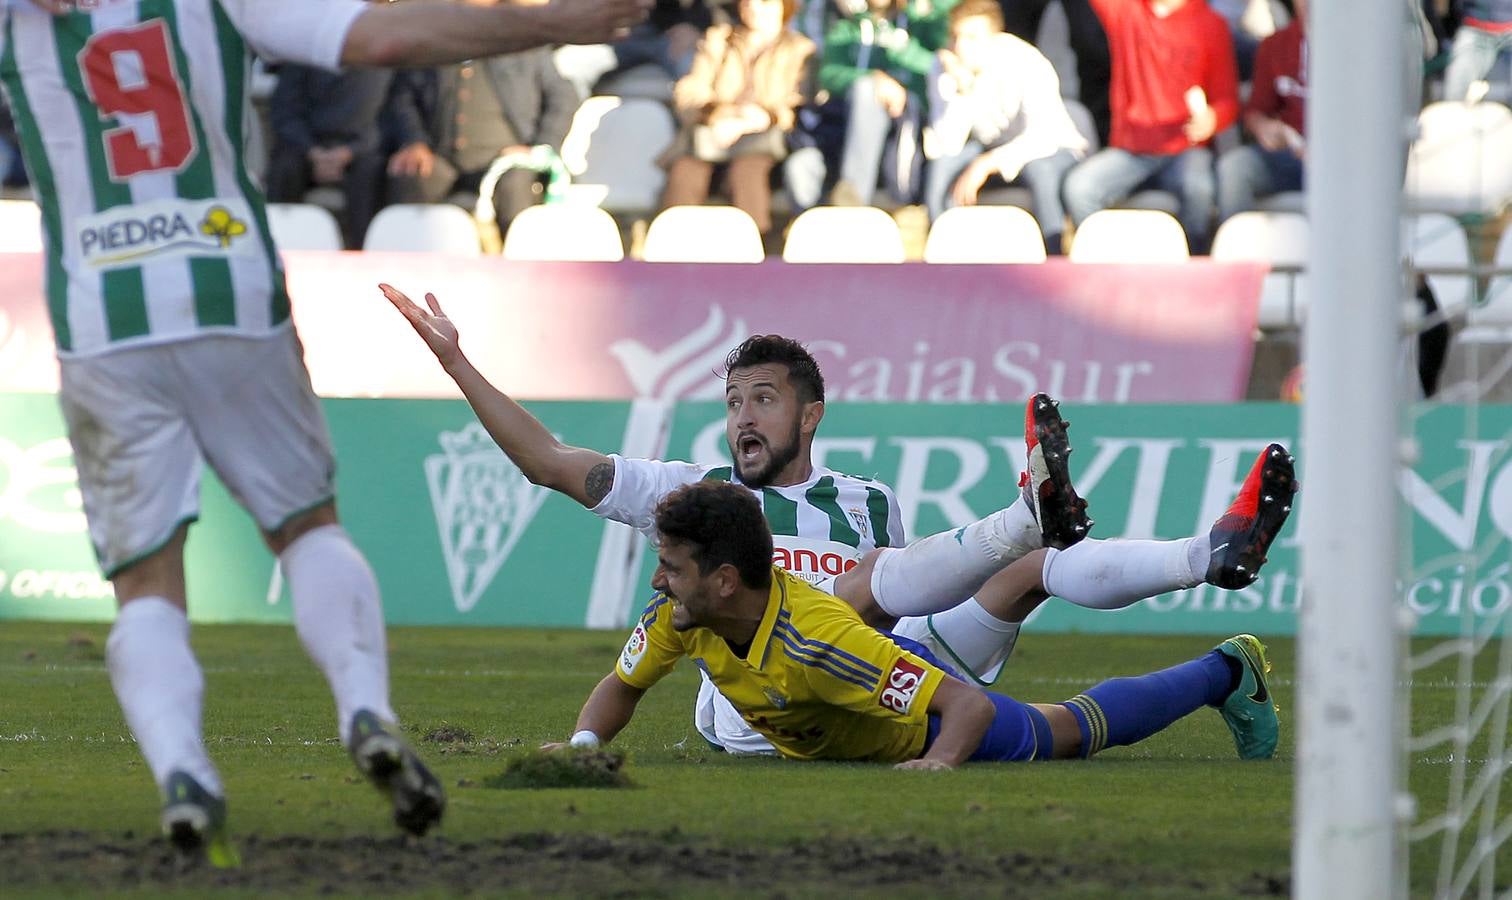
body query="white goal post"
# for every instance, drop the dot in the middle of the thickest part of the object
(1344, 839)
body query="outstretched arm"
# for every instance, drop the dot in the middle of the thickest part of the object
(582, 474)
(606, 712)
(965, 714)
(428, 34)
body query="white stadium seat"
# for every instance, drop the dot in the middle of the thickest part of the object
(303, 226)
(1461, 161)
(985, 234)
(20, 227)
(615, 141)
(843, 234)
(712, 234)
(1130, 236)
(423, 227)
(563, 233)
(1434, 239)
(1275, 238)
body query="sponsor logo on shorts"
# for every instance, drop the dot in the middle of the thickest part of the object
(635, 648)
(166, 228)
(483, 504)
(902, 685)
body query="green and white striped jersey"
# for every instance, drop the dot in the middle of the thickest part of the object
(133, 117)
(820, 528)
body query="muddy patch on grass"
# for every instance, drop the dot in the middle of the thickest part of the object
(650, 865)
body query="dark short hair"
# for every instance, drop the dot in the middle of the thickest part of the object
(970, 9)
(721, 523)
(803, 371)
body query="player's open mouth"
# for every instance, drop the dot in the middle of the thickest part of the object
(749, 446)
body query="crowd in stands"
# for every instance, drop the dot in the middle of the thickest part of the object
(915, 105)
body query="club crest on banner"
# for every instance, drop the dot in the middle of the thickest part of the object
(483, 503)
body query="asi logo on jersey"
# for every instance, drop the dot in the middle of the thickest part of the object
(902, 686)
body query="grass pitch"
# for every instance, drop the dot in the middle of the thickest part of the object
(1177, 816)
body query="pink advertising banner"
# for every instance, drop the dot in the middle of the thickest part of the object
(898, 333)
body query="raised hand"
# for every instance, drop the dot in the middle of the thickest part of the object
(434, 327)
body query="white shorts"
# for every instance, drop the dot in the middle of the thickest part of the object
(143, 420)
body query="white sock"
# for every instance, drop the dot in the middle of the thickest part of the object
(161, 689)
(975, 638)
(1114, 574)
(340, 620)
(938, 572)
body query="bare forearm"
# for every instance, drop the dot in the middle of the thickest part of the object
(965, 714)
(609, 708)
(427, 34)
(574, 471)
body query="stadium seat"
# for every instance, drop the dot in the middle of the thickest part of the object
(1493, 320)
(1274, 238)
(1459, 163)
(985, 234)
(843, 234)
(615, 141)
(712, 234)
(303, 226)
(563, 232)
(423, 227)
(1130, 236)
(1434, 239)
(20, 227)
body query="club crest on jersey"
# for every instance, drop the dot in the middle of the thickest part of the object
(635, 648)
(483, 504)
(774, 698)
(902, 685)
(862, 520)
(128, 235)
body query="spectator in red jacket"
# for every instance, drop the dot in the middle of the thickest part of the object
(1175, 85)
(1274, 117)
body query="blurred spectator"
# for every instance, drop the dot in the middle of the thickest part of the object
(667, 39)
(877, 59)
(1174, 87)
(1089, 43)
(737, 106)
(325, 127)
(452, 122)
(995, 110)
(1482, 47)
(1274, 117)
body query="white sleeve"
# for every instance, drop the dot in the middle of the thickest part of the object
(310, 32)
(895, 535)
(640, 484)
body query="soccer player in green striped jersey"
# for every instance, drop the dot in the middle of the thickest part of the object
(842, 533)
(172, 322)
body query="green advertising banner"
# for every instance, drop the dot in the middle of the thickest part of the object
(458, 536)
(454, 531)
(1164, 472)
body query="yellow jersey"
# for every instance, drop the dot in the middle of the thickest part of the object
(816, 681)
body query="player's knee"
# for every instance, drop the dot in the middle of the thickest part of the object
(158, 574)
(854, 587)
(293, 529)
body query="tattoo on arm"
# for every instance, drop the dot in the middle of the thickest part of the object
(600, 479)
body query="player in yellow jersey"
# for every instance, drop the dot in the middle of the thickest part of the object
(805, 671)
